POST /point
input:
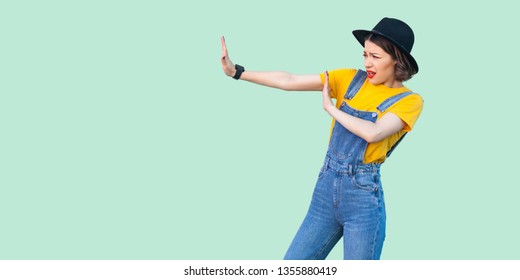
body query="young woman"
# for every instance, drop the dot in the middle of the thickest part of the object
(373, 112)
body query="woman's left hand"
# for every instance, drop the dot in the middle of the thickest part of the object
(327, 101)
(227, 64)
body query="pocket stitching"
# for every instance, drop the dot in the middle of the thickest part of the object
(373, 187)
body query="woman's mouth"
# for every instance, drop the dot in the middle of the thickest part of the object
(371, 74)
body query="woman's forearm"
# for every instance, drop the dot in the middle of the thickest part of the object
(276, 79)
(283, 80)
(360, 127)
(369, 131)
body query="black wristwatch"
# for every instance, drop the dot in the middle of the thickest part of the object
(240, 69)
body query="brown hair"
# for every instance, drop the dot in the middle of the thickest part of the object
(403, 68)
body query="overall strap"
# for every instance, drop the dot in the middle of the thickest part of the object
(355, 84)
(392, 100)
(385, 105)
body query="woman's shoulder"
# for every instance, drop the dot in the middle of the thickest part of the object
(414, 97)
(342, 75)
(413, 100)
(345, 72)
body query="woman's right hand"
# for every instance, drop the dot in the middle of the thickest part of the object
(227, 65)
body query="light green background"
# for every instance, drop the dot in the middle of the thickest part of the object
(122, 139)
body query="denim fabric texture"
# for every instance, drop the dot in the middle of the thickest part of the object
(348, 200)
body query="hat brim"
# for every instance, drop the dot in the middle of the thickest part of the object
(362, 34)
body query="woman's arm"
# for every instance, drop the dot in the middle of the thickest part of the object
(369, 131)
(276, 79)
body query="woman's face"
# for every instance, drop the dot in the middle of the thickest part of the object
(380, 66)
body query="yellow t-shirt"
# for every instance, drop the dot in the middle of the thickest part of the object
(368, 98)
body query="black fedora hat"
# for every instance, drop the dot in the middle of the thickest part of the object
(396, 31)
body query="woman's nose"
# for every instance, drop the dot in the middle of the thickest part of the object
(368, 63)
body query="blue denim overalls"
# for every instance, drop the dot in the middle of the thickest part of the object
(348, 198)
